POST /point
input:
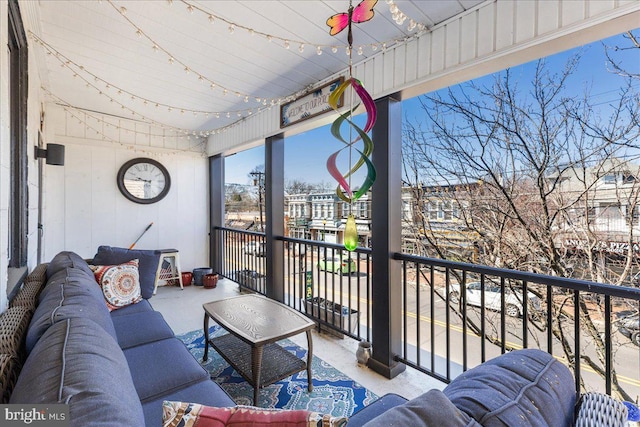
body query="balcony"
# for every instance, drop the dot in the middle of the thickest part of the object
(443, 329)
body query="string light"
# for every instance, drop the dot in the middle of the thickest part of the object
(400, 17)
(212, 17)
(69, 109)
(157, 47)
(132, 96)
(69, 64)
(397, 15)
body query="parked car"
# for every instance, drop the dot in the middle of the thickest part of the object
(337, 265)
(255, 248)
(513, 299)
(629, 326)
(250, 279)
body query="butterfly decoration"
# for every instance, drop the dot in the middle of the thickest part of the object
(361, 13)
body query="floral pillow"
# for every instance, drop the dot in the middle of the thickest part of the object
(120, 283)
(196, 415)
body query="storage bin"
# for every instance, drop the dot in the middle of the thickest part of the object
(198, 274)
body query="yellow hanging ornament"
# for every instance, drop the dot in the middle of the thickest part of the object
(350, 234)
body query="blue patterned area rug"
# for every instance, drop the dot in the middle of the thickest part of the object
(333, 392)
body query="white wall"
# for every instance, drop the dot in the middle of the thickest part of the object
(84, 208)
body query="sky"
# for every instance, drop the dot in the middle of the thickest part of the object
(306, 153)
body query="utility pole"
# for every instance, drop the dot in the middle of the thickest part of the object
(258, 180)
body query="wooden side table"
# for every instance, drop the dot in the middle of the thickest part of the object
(175, 273)
(255, 323)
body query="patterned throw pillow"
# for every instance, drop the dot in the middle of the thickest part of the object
(196, 415)
(120, 283)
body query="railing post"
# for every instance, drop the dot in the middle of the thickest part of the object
(216, 211)
(274, 209)
(386, 231)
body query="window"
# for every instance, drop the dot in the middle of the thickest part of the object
(610, 210)
(432, 209)
(363, 210)
(628, 178)
(609, 179)
(447, 211)
(18, 89)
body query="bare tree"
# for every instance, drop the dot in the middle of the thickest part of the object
(508, 152)
(615, 63)
(296, 186)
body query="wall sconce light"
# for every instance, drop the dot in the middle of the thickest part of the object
(54, 154)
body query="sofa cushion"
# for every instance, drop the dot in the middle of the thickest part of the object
(77, 363)
(523, 387)
(120, 283)
(205, 392)
(141, 328)
(64, 260)
(376, 408)
(141, 307)
(161, 367)
(148, 264)
(431, 409)
(197, 415)
(77, 295)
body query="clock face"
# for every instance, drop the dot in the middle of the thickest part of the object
(143, 180)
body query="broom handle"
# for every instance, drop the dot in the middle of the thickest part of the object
(145, 230)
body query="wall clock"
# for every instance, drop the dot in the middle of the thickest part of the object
(143, 180)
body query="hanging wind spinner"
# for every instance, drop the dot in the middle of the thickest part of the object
(363, 12)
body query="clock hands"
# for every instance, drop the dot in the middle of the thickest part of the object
(148, 181)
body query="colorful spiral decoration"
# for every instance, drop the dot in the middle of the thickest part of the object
(344, 190)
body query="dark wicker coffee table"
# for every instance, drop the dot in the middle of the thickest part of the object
(255, 323)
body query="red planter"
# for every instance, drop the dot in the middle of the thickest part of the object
(210, 281)
(187, 276)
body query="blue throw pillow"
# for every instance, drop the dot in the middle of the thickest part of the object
(147, 264)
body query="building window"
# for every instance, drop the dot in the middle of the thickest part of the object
(363, 210)
(447, 211)
(432, 209)
(609, 179)
(628, 178)
(18, 90)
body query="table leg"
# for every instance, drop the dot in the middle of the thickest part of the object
(309, 358)
(206, 337)
(256, 368)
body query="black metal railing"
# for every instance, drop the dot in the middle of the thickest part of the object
(243, 258)
(330, 284)
(322, 280)
(457, 315)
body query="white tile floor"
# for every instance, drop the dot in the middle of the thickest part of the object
(182, 309)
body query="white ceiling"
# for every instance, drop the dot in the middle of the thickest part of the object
(100, 56)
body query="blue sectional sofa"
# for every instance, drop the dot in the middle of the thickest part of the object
(60, 344)
(521, 388)
(111, 368)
